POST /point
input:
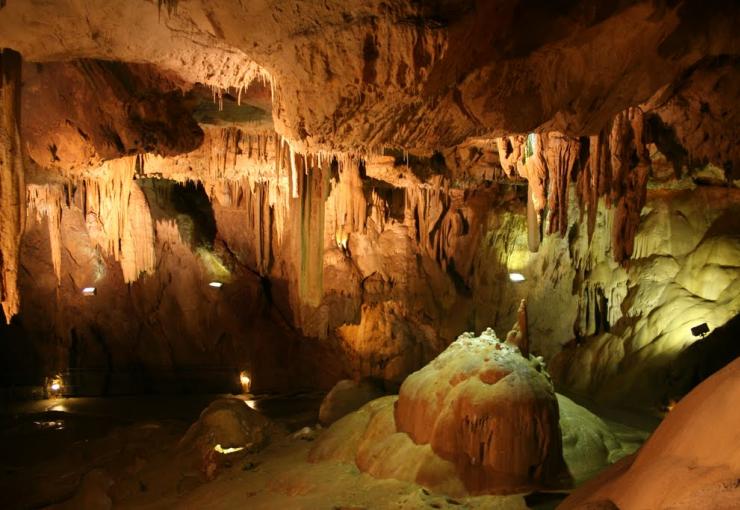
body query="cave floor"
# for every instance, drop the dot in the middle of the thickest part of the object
(125, 449)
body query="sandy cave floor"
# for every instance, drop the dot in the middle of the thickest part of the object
(125, 449)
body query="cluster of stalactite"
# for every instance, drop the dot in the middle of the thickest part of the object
(118, 217)
(428, 206)
(12, 185)
(616, 169)
(117, 214)
(347, 200)
(47, 201)
(229, 152)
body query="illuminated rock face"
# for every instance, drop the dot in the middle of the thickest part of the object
(355, 76)
(370, 174)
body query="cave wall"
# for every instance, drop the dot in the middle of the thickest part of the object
(363, 178)
(369, 269)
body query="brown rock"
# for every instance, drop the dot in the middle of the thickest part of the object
(347, 396)
(231, 423)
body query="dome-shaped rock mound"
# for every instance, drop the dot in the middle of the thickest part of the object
(490, 411)
(230, 423)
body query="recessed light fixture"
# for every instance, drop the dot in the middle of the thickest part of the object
(216, 285)
(226, 451)
(89, 291)
(516, 277)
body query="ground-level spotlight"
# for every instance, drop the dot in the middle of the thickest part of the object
(89, 291)
(54, 386)
(225, 451)
(216, 285)
(516, 277)
(245, 381)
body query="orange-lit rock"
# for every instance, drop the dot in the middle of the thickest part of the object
(12, 181)
(489, 411)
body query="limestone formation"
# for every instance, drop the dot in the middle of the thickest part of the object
(347, 396)
(689, 462)
(480, 418)
(12, 183)
(490, 411)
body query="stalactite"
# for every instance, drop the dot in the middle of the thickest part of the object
(348, 202)
(535, 171)
(293, 173)
(510, 151)
(560, 154)
(426, 205)
(629, 188)
(611, 173)
(47, 201)
(12, 184)
(312, 189)
(118, 218)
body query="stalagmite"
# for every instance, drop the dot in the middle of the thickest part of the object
(518, 336)
(12, 184)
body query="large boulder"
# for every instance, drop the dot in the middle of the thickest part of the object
(227, 427)
(347, 396)
(480, 418)
(490, 411)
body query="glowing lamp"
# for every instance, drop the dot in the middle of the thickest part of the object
(516, 277)
(89, 291)
(226, 451)
(54, 386)
(245, 381)
(216, 285)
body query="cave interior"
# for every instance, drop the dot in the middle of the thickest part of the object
(370, 254)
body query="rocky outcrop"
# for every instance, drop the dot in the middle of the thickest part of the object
(689, 462)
